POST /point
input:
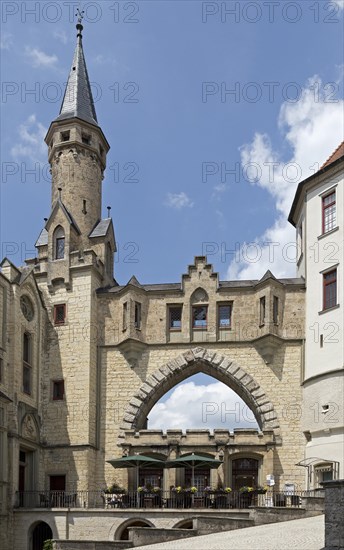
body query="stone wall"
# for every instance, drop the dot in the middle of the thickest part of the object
(334, 513)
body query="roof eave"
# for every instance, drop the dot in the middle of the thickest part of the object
(308, 180)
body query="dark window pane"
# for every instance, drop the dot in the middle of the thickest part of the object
(275, 310)
(175, 317)
(26, 348)
(60, 248)
(26, 379)
(262, 310)
(137, 315)
(58, 389)
(60, 314)
(199, 316)
(330, 289)
(224, 316)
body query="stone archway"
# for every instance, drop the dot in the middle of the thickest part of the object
(192, 362)
(38, 533)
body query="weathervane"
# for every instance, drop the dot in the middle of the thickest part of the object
(80, 15)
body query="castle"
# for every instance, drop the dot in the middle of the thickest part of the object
(83, 360)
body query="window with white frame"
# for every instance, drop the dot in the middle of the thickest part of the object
(329, 212)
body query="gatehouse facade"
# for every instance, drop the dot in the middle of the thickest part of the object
(84, 359)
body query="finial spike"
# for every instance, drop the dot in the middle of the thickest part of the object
(59, 190)
(109, 211)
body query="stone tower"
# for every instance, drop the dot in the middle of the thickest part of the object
(77, 150)
(75, 258)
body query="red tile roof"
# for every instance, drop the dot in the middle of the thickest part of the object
(339, 152)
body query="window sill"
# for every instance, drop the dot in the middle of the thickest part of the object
(225, 328)
(199, 328)
(323, 235)
(175, 329)
(59, 324)
(328, 309)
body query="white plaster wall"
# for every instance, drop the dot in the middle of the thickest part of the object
(322, 254)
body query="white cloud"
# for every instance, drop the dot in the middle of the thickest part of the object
(31, 144)
(201, 406)
(178, 200)
(61, 35)
(6, 41)
(39, 58)
(313, 128)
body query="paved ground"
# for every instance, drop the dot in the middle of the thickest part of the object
(299, 534)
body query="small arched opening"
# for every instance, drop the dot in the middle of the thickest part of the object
(184, 524)
(38, 534)
(122, 532)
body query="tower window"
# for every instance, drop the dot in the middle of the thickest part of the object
(59, 314)
(59, 243)
(329, 212)
(199, 317)
(175, 317)
(275, 310)
(330, 289)
(27, 353)
(58, 390)
(224, 315)
(137, 315)
(125, 315)
(86, 139)
(65, 136)
(109, 260)
(101, 150)
(262, 311)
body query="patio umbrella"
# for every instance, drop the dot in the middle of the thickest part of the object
(194, 461)
(135, 461)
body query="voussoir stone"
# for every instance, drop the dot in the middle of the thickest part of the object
(166, 371)
(189, 356)
(239, 374)
(198, 352)
(217, 359)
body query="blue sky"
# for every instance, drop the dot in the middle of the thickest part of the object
(172, 212)
(161, 73)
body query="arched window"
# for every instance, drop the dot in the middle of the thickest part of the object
(59, 243)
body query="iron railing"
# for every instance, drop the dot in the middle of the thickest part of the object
(162, 499)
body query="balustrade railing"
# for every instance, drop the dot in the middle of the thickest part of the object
(162, 499)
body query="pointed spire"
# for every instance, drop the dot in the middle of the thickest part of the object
(78, 100)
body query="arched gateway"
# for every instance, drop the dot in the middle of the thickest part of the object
(187, 364)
